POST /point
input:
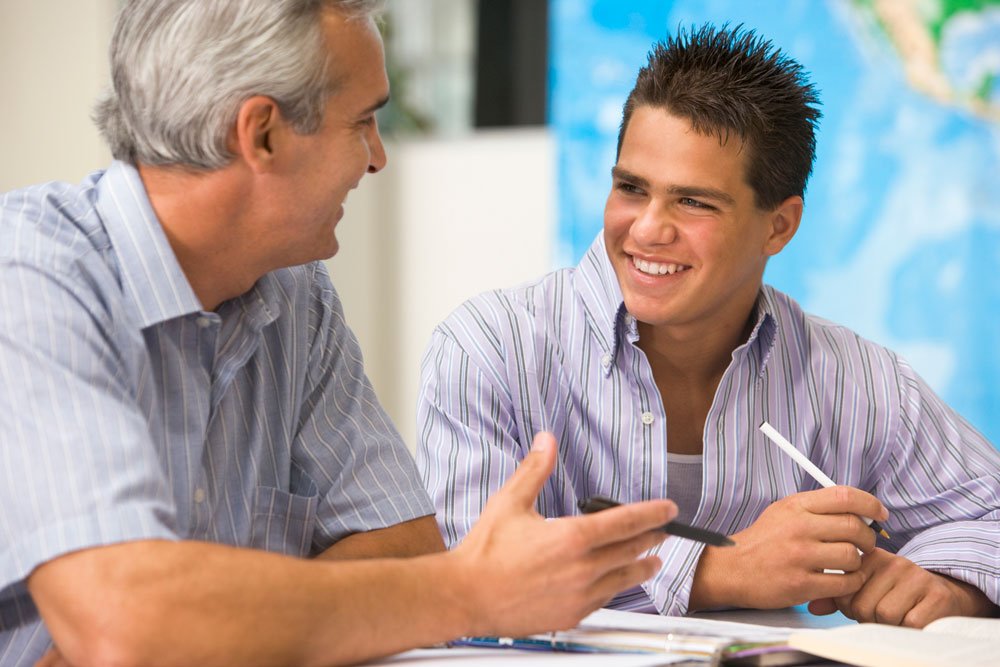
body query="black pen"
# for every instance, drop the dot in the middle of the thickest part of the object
(598, 503)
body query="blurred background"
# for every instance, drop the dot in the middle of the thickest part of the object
(501, 135)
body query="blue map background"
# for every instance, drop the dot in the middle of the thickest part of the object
(901, 233)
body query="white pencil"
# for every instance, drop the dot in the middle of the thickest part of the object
(810, 467)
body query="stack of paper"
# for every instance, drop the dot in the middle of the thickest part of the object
(676, 640)
(665, 640)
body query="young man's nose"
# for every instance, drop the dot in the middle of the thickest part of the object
(653, 225)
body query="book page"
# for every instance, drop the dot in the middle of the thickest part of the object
(613, 619)
(477, 657)
(693, 639)
(873, 645)
(966, 626)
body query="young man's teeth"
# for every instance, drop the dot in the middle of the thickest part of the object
(656, 268)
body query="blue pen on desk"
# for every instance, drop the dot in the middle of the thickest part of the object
(810, 468)
(528, 644)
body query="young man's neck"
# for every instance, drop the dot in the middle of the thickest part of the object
(688, 363)
(695, 354)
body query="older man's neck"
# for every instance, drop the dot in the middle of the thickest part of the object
(202, 216)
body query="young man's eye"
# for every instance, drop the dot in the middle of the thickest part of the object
(628, 188)
(694, 203)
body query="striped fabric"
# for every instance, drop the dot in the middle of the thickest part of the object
(128, 413)
(560, 355)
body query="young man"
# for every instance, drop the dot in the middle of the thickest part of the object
(181, 396)
(656, 359)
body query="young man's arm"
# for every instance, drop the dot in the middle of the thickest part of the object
(798, 537)
(778, 561)
(183, 603)
(945, 483)
(943, 491)
(897, 591)
(468, 440)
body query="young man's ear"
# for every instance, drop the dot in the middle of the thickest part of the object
(253, 135)
(784, 220)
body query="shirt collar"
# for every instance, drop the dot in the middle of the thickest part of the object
(596, 283)
(151, 277)
(760, 343)
(260, 306)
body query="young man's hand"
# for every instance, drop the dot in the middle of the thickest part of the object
(779, 560)
(897, 591)
(526, 574)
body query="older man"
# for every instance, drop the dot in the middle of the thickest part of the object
(186, 420)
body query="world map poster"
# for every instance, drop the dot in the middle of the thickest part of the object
(900, 238)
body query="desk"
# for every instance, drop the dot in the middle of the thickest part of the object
(486, 657)
(792, 617)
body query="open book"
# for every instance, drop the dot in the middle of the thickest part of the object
(956, 640)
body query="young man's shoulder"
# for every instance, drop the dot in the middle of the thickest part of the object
(529, 305)
(820, 339)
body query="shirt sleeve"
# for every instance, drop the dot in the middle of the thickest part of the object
(670, 588)
(77, 468)
(942, 490)
(346, 442)
(468, 443)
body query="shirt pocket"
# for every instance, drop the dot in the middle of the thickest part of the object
(283, 522)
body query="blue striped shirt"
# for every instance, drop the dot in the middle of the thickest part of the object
(128, 413)
(560, 355)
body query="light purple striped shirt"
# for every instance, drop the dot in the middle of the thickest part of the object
(128, 413)
(560, 355)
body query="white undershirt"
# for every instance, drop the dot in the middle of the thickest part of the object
(684, 483)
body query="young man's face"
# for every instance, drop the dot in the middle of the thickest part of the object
(685, 238)
(327, 165)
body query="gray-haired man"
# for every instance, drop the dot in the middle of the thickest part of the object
(189, 436)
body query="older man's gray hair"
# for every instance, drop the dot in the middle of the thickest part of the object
(181, 69)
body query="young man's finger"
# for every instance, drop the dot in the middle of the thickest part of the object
(832, 528)
(823, 606)
(844, 500)
(836, 585)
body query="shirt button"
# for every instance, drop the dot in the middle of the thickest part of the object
(606, 360)
(630, 321)
(199, 496)
(204, 322)
(647, 418)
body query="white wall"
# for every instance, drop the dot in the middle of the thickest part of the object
(445, 220)
(53, 65)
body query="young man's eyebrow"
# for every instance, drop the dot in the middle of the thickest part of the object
(701, 193)
(679, 190)
(625, 175)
